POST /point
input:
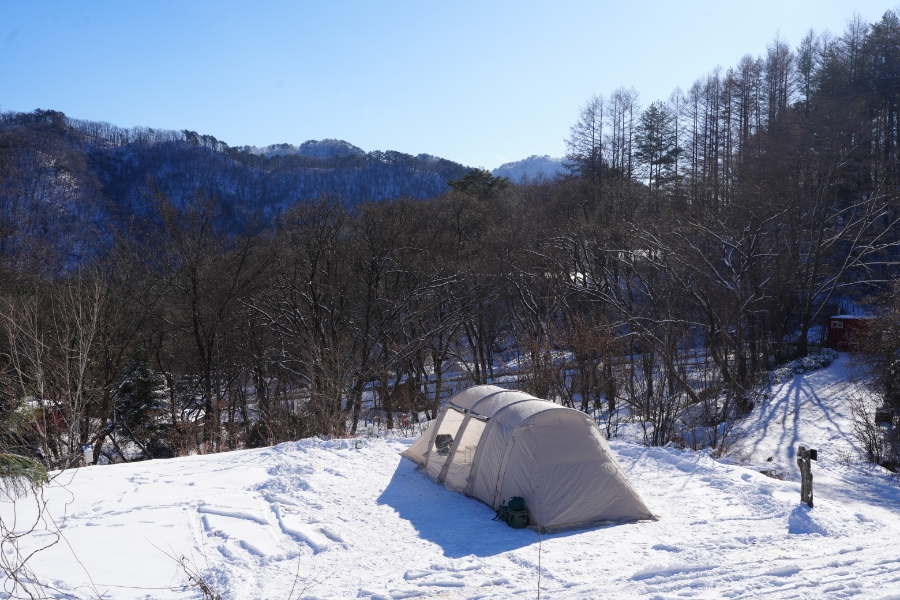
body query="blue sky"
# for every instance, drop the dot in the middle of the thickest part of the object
(481, 83)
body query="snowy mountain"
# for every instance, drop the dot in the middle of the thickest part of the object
(530, 169)
(352, 519)
(94, 175)
(328, 148)
(312, 148)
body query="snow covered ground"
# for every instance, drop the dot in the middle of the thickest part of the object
(329, 520)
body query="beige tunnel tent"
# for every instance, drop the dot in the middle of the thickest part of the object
(491, 443)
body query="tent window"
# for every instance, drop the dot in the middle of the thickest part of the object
(443, 440)
(461, 462)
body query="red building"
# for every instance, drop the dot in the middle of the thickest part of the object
(844, 331)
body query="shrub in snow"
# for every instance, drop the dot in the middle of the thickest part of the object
(818, 359)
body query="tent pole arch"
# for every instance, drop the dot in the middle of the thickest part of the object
(423, 448)
(459, 436)
(476, 460)
(502, 473)
(450, 405)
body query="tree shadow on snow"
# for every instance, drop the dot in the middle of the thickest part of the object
(461, 526)
(795, 403)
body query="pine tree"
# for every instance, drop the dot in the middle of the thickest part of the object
(17, 473)
(656, 147)
(479, 183)
(140, 404)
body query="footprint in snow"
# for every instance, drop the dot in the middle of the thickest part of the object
(317, 537)
(233, 532)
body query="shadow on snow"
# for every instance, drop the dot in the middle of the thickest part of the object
(461, 526)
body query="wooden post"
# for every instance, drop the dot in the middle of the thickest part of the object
(806, 478)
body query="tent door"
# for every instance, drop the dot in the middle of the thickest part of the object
(462, 430)
(502, 473)
(445, 435)
(455, 473)
(476, 463)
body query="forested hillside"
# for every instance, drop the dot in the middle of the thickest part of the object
(68, 184)
(697, 242)
(531, 169)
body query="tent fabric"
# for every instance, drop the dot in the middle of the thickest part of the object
(462, 400)
(456, 472)
(505, 443)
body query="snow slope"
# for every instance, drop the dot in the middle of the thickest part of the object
(530, 169)
(346, 522)
(316, 148)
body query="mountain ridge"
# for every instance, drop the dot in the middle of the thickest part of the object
(65, 182)
(534, 168)
(326, 148)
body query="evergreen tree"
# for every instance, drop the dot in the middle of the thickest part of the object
(884, 52)
(656, 147)
(17, 472)
(480, 184)
(140, 404)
